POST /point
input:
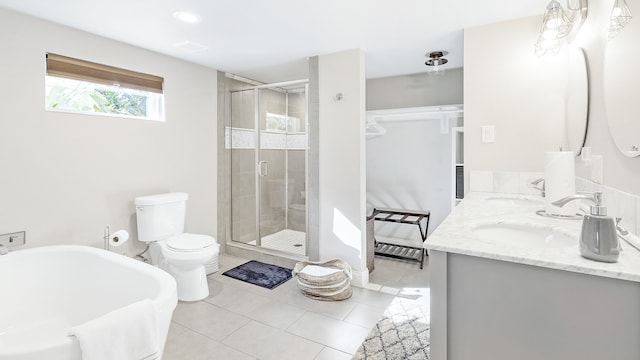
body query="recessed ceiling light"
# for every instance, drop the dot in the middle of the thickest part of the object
(187, 17)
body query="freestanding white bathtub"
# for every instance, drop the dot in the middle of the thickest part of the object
(45, 291)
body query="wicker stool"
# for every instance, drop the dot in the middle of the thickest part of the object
(328, 281)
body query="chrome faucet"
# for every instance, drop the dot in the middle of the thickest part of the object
(621, 230)
(624, 233)
(534, 184)
(3, 250)
(598, 236)
(596, 198)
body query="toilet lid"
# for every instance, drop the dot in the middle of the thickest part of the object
(189, 242)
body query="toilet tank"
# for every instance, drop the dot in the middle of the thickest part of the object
(160, 216)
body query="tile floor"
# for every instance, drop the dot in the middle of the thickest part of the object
(243, 321)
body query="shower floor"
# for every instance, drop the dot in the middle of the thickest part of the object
(287, 240)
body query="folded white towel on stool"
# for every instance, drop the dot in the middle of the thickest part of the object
(128, 333)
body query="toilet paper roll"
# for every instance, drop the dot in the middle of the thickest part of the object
(118, 238)
(559, 181)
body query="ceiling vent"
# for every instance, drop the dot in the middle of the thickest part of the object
(190, 46)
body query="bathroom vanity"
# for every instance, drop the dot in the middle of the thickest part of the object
(509, 284)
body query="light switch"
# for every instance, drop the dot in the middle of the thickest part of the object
(488, 134)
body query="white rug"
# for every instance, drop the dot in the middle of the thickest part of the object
(402, 333)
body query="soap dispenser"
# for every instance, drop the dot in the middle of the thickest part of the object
(598, 237)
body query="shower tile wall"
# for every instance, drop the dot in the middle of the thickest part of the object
(272, 207)
(297, 170)
(273, 102)
(243, 188)
(243, 193)
(298, 109)
(242, 111)
(296, 216)
(272, 193)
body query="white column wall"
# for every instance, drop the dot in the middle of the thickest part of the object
(342, 187)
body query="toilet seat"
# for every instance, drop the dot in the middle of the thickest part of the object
(189, 242)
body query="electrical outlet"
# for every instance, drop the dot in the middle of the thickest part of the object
(13, 239)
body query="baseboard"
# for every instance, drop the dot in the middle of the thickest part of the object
(360, 278)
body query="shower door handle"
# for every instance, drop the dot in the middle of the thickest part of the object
(263, 168)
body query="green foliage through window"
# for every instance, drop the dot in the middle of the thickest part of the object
(73, 95)
(120, 102)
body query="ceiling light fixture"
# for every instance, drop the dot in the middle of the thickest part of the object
(187, 17)
(620, 16)
(436, 60)
(557, 25)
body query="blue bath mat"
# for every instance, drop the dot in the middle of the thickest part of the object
(261, 274)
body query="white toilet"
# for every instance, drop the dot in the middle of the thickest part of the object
(161, 225)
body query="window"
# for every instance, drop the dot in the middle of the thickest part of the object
(80, 86)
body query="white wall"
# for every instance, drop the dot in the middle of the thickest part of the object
(620, 172)
(507, 85)
(415, 90)
(409, 168)
(342, 159)
(63, 176)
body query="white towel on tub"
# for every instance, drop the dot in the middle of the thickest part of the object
(128, 333)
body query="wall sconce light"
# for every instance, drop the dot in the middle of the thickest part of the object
(558, 25)
(620, 16)
(436, 60)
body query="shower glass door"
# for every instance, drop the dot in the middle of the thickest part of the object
(241, 143)
(273, 147)
(272, 166)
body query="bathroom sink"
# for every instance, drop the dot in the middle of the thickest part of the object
(523, 235)
(514, 200)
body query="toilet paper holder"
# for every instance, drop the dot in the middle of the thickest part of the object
(116, 239)
(107, 233)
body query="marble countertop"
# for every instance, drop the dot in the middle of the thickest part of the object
(459, 234)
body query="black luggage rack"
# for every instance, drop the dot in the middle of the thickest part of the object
(411, 217)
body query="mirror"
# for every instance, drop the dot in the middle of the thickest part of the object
(577, 100)
(621, 88)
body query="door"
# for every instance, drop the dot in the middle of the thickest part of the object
(267, 148)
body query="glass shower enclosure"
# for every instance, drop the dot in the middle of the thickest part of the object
(267, 139)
